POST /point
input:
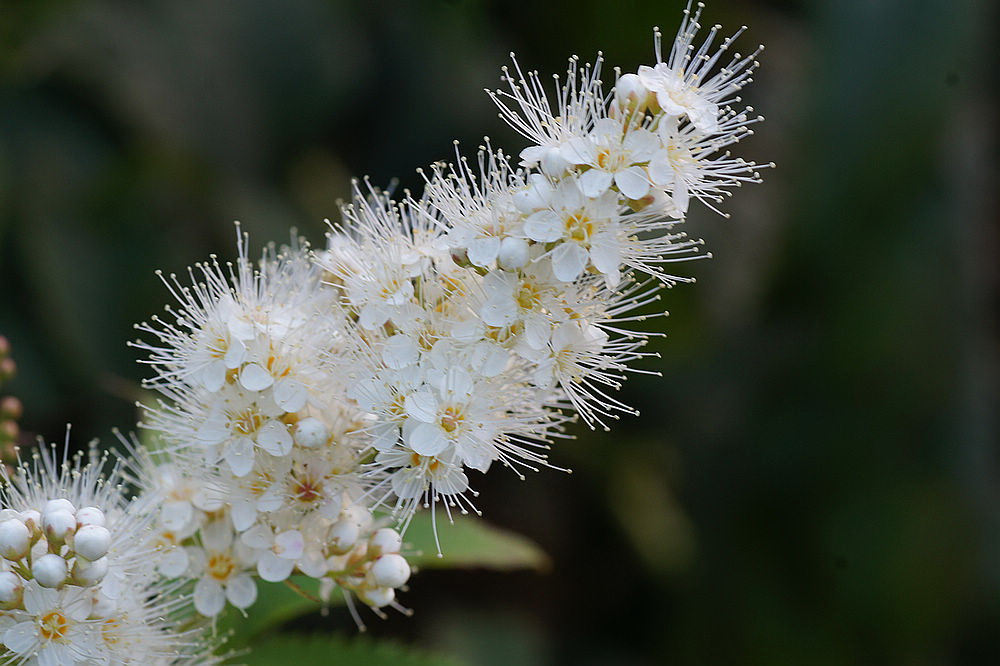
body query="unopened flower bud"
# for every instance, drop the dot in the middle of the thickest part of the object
(49, 570)
(11, 408)
(390, 570)
(15, 539)
(513, 253)
(357, 514)
(311, 433)
(386, 540)
(59, 504)
(90, 515)
(630, 93)
(58, 525)
(7, 369)
(343, 535)
(32, 520)
(92, 542)
(87, 573)
(377, 597)
(11, 590)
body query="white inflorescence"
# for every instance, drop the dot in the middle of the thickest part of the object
(78, 581)
(312, 398)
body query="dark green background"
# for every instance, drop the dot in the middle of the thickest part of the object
(815, 479)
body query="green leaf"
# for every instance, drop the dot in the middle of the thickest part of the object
(277, 603)
(467, 543)
(305, 650)
(471, 543)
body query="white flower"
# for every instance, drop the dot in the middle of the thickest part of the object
(223, 567)
(53, 627)
(526, 108)
(615, 154)
(687, 85)
(279, 551)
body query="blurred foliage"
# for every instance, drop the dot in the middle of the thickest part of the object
(469, 542)
(294, 649)
(815, 479)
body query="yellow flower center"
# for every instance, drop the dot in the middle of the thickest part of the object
(220, 566)
(248, 421)
(53, 625)
(579, 227)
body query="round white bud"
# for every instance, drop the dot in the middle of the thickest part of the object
(390, 570)
(630, 93)
(58, 525)
(343, 535)
(377, 597)
(92, 542)
(386, 540)
(87, 573)
(58, 505)
(15, 539)
(32, 519)
(513, 253)
(310, 433)
(357, 514)
(49, 570)
(90, 515)
(11, 590)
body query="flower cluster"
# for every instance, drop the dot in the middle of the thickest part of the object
(78, 579)
(309, 403)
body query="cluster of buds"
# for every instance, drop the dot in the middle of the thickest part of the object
(371, 568)
(56, 546)
(78, 580)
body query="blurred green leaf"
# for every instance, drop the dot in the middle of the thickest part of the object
(471, 543)
(306, 650)
(276, 604)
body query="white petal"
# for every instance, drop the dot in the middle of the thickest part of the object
(290, 394)
(235, 354)
(275, 438)
(174, 563)
(595, 182)
(289, 545)
(241, 591)
(568, 261)
(22, 637)
(253, 377)
(209, 599)
(632, 182)
(553, 163)
(217, 535)
(499, 312)
(239, 456)
(544, 226)
(274, 569)
(427, 440)
(243, 513)
(400, 351)
(605, 253)
(213, 375)
(175, 516)
(258, 536)
(38, 600)
(580, 150)
(680, 195)
(482, 251)
(422, 405)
